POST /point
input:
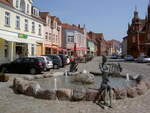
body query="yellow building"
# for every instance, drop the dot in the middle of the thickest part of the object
(21, 30)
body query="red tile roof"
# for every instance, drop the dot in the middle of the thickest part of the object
(68, 26)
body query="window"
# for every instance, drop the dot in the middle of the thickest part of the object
(22, 6)
(17, 3)
(70, 38)
(27, 8)
(39, 29)
(148, 36)
(17, 22)
(26, 25)
(46, 36)
(33, 27)
(32, 50)
(7, 18)
(133, 39)
(50, 36)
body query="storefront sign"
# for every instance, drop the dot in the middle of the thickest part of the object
(22, 36)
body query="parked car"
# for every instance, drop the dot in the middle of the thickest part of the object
(114, 56)
(129, 58)
(48, 61)
(57, 62)
(143, 59)
(23, 65)
(64, 59)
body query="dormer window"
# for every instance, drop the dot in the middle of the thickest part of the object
(22, 5)
(35, 11)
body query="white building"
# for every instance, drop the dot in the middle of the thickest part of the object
(21, 30)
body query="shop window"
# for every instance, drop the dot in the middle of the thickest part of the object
(7, 18)
(6, 49)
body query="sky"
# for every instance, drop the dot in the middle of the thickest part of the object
(109, 17)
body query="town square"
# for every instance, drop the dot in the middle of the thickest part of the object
(74, 56)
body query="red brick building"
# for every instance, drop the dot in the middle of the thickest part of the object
(138, 38)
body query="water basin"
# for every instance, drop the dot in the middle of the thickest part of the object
(66, 82)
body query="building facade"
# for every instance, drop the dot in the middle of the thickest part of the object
(52, 31)
(124, 46)
(74, 39)
(21, 30)
(114, 47)
(138, 35)
(91, 50)
(100, 43)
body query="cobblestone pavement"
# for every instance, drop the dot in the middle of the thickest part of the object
(14, 103)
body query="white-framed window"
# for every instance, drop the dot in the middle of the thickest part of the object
(33, 27)
(49, 22)
(40, 29)
(46, 35)
(17, 22)
(70, 38)
(7, 18)
(17, 3)
(50, 36)
(22, 6)
(26, 25)
(28, 8)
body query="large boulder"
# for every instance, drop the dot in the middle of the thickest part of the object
(141, 88)
(91, 94)
(132, 92)
(32, 89)
(28, 77)
(64, 94)
(84, 78)
(38, 76)
(147, 83)
(79, 94)
(20, 85)
(25, 87)
(46, 94)
(120, 93)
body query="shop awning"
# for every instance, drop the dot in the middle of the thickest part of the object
(16, 39)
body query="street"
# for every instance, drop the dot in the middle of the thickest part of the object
(17, 103)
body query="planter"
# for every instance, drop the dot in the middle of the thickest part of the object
(4, 78)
